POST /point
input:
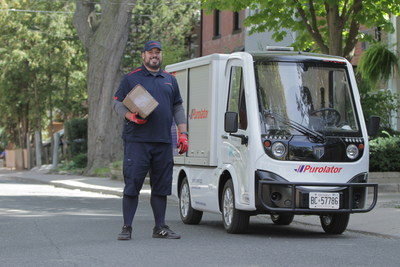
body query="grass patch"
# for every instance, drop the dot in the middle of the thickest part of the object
(116, 165)
(102, 172)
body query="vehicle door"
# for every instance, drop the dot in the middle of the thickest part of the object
(235, 149)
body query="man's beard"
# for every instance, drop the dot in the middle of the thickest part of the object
(154, 66)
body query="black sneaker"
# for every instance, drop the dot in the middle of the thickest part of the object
(126, 233)
(165, 232)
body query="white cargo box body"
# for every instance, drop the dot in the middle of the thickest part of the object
(201, 85)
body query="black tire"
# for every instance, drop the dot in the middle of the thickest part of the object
(282, 219)
(188, 214)
(235, 221)
(334, 224)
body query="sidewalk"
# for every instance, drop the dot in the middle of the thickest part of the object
(383, 220)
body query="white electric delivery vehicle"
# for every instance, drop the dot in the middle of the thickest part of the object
(276, 132)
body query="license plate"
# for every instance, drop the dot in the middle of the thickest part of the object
(322, 200)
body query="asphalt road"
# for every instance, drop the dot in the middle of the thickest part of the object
(41, 225)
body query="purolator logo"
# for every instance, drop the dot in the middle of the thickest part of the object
(198, 114)
(311, 169)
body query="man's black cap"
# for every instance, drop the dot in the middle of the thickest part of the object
(150, 45)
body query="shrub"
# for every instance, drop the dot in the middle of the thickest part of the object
(76, 165)
(385, 154)
(80, 161)
(382, 103)
(77, 136)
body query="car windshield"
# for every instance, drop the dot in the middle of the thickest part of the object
(312, 96)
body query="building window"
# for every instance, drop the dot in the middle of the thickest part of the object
(364, 45)
(217, 23)
(236, 22)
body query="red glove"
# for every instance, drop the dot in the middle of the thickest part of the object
(183, 143)
(137, 119)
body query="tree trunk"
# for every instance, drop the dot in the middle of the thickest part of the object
(348, 50)
(335, 26)
(105, 41)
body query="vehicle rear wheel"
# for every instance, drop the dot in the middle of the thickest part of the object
(334, 224)
(282, 219)
(235, 221)
(188, 214)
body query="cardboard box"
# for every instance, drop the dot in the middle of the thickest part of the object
(140, 101)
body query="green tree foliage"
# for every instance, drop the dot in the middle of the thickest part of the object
(42, 66)
(170, 21)
(329, 26)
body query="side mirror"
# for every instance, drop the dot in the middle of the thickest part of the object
(373, 125)
(231, 122)
(231, 126)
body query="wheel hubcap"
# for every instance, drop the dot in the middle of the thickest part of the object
(274, 217)
(228, 206)
(185, 200)
(327, 219)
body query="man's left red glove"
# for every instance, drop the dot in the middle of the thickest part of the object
(137, 119)
(183, 143)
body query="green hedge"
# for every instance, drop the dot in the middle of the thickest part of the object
(385, 154)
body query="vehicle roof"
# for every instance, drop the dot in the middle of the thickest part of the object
(294, 56)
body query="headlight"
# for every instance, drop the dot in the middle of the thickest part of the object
(352, 151)
(278, 150)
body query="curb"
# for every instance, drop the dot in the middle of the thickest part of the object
(388, 182)
(388, 188)
(67, 186)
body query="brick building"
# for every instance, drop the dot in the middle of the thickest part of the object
(224, 32)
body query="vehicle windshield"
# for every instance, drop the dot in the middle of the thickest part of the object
(311, 96)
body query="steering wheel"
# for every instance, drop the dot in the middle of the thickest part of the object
(330, 115)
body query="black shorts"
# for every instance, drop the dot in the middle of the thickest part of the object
(153, 158)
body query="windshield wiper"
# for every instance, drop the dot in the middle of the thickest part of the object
(315, 136)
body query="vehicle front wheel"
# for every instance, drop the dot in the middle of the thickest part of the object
(334, 224)
(188, 214)
(282, 219)
(235, 221)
